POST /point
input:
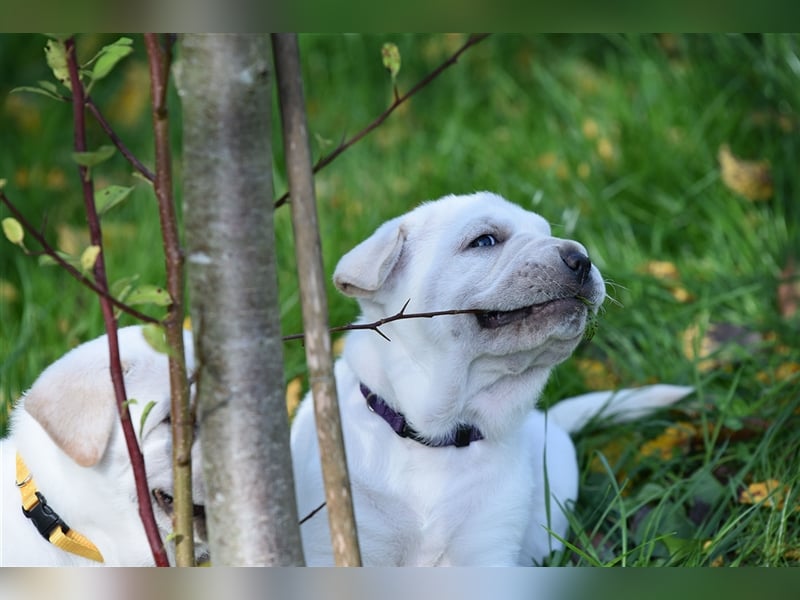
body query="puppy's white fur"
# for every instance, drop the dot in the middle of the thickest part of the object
(67, 430)
(484, 504)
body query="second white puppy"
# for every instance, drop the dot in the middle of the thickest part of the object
(67, 445)
(446, 451)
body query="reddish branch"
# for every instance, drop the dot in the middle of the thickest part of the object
(107, 307)
(51, 252)
(117, 141)
(398, 101)
(112, 135)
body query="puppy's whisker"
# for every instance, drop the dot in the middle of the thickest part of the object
(611, 284)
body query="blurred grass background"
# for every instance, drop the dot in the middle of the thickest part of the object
(673, 158)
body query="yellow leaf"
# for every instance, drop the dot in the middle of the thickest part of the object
(770, 492)
(596, 374)
(698, 348)
(13, 231)
(590, 128)
(89, 257)
(674, 440)
(792, 554)
(8, 291)
(718, 561)
(294, 394)
(681, 294)
(662, 269)
(751, 179)
(721, 344)
(605, 149)
(783, 372)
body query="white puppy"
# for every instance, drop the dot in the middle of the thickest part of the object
(67, 433)
(445, 448)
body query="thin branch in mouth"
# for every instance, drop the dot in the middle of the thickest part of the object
(494, 319)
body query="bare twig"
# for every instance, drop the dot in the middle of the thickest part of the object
(398, 316)
(182, 422)
(51, 252)
(398, 101)
(115, 139)
(107, 307)
(341, 516)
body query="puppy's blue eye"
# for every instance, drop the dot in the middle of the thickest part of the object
(483, 241)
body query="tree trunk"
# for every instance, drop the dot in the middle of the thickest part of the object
(224, 84)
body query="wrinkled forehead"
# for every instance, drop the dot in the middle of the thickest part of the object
(476, 215)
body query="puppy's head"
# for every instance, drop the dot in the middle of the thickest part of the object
(74, 402)
(529, 294)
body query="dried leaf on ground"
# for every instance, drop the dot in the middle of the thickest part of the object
(596, 374)
(749, 178)
(771, 492)
(718, 344)
(662, 269)
(667, 273)
(779, 374)
(675, 439)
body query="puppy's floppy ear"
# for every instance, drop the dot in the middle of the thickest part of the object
(366, 267)
(73, 400)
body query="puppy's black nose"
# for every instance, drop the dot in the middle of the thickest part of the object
(578, 262)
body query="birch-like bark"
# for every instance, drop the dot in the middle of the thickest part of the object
(224, 84)
(314, 301)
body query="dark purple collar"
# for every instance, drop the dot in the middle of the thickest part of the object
(462, 436)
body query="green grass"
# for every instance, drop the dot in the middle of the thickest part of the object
(614, 139)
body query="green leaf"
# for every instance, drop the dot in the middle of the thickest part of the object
(61, 37)
(109, 56)
(13, 231)
(91, 159)
(147, 408)
(173, 536)
(140, 177)
(46, 260)
(122, 287)
(149, 294)
(89, 257)
(390, 54)
(56, 55)
(109, 197)
(154, 335)
(46, 88)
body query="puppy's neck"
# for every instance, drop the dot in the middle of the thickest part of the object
(438, 392)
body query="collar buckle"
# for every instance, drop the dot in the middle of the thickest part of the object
(44, 518)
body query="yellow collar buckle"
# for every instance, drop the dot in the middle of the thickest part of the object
(47, 521)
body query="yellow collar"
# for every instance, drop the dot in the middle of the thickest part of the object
(47, 522)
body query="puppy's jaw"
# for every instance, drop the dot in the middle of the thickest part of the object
(494, 319)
